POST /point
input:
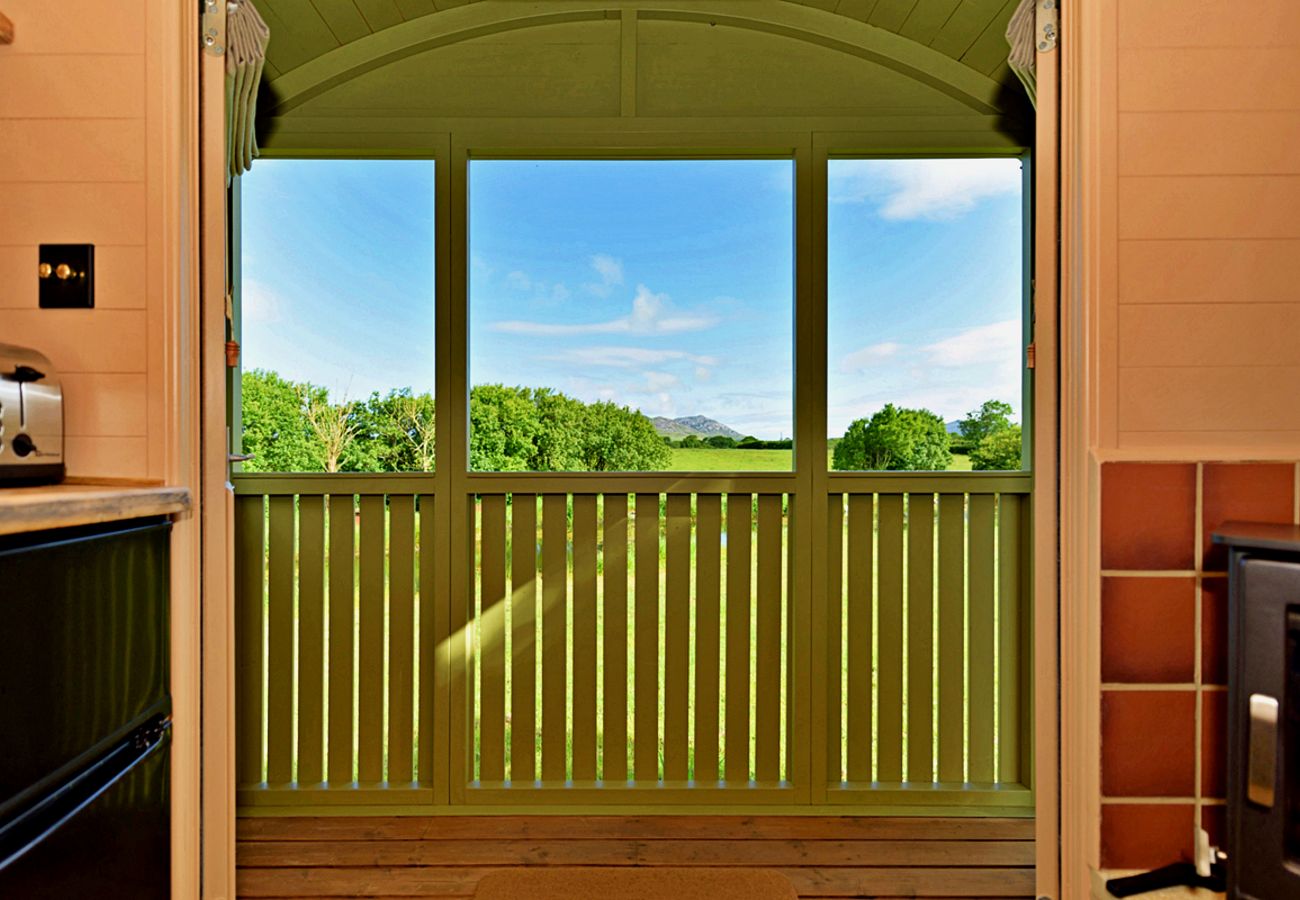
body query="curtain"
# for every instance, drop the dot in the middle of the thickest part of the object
(246, 40)
(1020, 35)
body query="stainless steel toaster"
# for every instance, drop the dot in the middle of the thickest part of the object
(31, 418)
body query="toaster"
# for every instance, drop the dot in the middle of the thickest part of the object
(31, 418)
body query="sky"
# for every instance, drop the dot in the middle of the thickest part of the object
(663, 285)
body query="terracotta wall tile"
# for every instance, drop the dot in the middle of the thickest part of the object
(1253, 492)
(1148, 515)
(1148, 743)
(1144, 837)
(1148, 629)
(1214, 630)
(1214, 739)
(1214, 819)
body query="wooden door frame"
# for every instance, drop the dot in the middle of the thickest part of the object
(217, 646)
(1048, 536)
(214, 502)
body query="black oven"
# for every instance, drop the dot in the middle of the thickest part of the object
(1263, 711)
(85, 713)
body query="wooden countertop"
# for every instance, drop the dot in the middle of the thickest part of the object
(26, 509)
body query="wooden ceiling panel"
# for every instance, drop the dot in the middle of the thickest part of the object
(693, 69)
(413, 9)
(891, 14)
(927, 19)
(343, 18)
(837, 60)
(380, 14)
(493, 75)
(965, 26)
(990, 49)
(298, 33)
(854, 9)
(303, 30)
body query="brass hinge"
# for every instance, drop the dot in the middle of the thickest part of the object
(1030, 352)
(1047, 25)
(212, 27)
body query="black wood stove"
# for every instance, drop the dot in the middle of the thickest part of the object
(1263, 710)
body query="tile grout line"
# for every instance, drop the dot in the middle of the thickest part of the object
(1159, 800)
(1162, 573)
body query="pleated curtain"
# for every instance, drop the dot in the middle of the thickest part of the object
(246, 39)
(1021, 37)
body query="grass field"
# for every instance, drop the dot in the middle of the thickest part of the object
(710, 459)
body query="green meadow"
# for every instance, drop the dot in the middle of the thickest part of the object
(711, 459)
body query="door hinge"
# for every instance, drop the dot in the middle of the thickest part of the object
(1030, 353)
(212, 27)
(1047, 25)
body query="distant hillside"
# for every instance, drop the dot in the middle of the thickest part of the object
(701, 426)
(953, 427)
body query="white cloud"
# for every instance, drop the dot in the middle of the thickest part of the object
(869, 356)
(610, 271)
(660, 381)
(259, 304)
(541, 290)
(934, 189)
(949, 376)
(651, 313)
(983, 344)
(703, 373)
(628, 357)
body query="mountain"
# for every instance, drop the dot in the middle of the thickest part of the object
(702, 426)
(953, 427)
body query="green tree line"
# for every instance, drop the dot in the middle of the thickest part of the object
(899, 439)
(293, 427)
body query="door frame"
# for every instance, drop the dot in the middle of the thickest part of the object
(218, 810)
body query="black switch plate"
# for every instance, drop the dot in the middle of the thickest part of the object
(67, 274)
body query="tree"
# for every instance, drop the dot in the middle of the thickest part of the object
(334, 427)
(894, 439)
(276, 431)
(993, 416)
(415, 415)
(560, 437)
(620, 439)
(690, 442)
(1000, 450)
(503, 428)
(395, 432)
(720, 442)
(292, 427)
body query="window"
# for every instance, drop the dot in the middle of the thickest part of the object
(631, 315)
(337, 315)
(925, 313)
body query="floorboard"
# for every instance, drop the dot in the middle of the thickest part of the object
(824, 857)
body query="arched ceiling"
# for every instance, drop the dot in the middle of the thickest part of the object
(968, 31)
(921, 75)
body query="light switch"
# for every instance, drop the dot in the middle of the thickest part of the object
(67, 276)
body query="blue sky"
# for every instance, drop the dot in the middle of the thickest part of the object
(666, 286)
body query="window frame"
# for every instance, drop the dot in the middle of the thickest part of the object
(635, 156)
(810, 153)
(842, 147)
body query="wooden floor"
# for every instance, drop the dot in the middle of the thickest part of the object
(446, 856)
